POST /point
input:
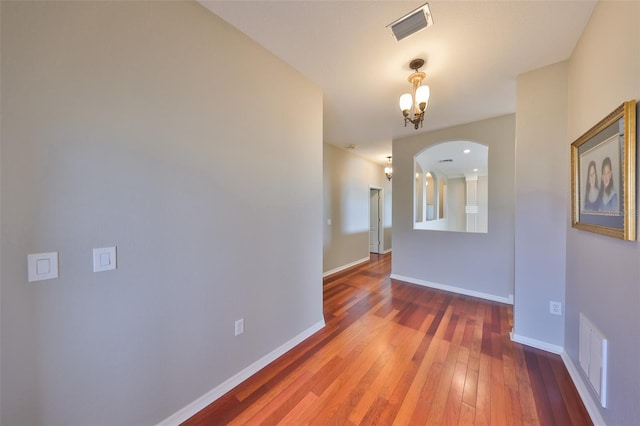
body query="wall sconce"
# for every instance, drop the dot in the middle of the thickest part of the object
(388, 171)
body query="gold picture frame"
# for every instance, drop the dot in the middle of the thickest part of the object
(603, 176)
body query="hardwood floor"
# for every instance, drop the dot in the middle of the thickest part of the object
(394, 353)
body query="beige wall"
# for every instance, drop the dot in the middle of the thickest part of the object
(347, 180)
(594, 275)
(477, 264)
(542, 188)
(125, 123)
(456, 191)
(603, 272)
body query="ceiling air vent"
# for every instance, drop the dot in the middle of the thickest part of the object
(411, 23)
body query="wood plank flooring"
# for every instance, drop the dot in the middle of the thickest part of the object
(393, 353)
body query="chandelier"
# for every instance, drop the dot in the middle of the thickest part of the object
(413, 105)
(388, 171)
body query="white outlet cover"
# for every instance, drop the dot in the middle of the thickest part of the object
(104, 259)
(239, 327)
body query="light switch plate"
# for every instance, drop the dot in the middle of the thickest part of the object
(42, 266)
(104, 259)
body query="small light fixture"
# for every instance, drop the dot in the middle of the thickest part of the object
(388, 171)
(413, 105)
(466, 151)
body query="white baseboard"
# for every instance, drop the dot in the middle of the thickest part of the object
(587, 399)
(486, 296)
(583, 389)
(206, 399)
(538, 344)
(347, 266)
(387, 251)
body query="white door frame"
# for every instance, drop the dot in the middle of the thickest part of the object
(380, 218)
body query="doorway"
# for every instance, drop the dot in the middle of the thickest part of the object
(375, 227)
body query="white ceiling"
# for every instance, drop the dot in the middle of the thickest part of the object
(473, 53)
(455, 159)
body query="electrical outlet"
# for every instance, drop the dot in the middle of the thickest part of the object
(555, 308)
(239, 327)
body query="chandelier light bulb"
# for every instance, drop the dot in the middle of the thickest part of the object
(422, 96)
(405, 102)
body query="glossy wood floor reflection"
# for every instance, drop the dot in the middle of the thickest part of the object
(394, 353)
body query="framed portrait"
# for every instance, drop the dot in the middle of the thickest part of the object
(603, 176)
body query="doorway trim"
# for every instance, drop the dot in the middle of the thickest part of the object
(380, 207)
